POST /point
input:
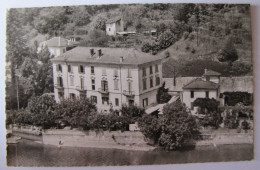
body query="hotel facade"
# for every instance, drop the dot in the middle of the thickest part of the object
(109, 77)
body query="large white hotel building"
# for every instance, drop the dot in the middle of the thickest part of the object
(110, 77)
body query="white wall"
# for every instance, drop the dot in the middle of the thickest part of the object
(197, 94)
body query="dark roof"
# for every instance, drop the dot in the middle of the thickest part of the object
(200, 84)
(59, 42)
(113, 20)
(211, 73)
(130, 56)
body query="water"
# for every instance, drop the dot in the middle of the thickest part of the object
(29, 153)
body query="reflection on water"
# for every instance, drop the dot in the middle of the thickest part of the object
(28, 153)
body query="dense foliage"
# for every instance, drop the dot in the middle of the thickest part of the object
(232, 98)
(228, 53)
(75, 113)
(163, 96)
(210, 108)
(173, 129)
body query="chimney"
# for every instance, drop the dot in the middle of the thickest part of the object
(121, 59)
(100, 53)
(92, 51)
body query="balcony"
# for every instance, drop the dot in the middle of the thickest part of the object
(59, 87)
(128, 93)
(103, 90)
(81, 89)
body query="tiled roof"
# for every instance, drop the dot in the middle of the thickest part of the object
(200, 84)
(58, 42)
(112, 20)
(211, 73)
(130, 56)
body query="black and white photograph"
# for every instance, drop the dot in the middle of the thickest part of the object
(129, 84)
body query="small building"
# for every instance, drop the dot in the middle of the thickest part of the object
(113, 26)
(205, 87)
(110, 77)
(58, 45)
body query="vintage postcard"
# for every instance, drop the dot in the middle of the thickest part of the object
(129, 84)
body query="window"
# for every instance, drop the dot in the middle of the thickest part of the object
(69, 69)
(104, 85)
(108, 29)
(130, 86)
(131, 102)
(105, 100)
(115, 72)
(191, 94)
(72, 96)
(59, 68)
(60, 95)
(129, 74)
(81, 69)
(82, 83)
(92, 70)
(158, 81)
(151, 82)
(207, 94)
(151, 69)
(60, 81)
(144, 71)
(116, 84)
(116, 101)
(144, 84)
(104, 73)
(156, 68)
(145, 102)
(71, 81)
(93, 84)
(93, 99)
(191, 106)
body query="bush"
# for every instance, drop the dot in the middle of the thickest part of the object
(245, 125)
(171, 130)
(231, 122)
(75, 113)
(232, 98)
(41, 109)
(185, 35)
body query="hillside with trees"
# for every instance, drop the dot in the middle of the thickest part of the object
(192, 36)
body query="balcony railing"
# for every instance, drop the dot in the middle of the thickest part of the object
(128, 93)
(59, 87)
(81, 89)
(103, 90)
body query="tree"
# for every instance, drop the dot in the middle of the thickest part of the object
(101, 24)
(210, 108)
(75, 113)
(228, 53)
(173, 129)
(163, 95)
(132, 111)
(42, 110)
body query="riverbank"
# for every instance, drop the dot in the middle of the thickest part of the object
(129, 140)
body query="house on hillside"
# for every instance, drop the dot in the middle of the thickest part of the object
(114, 25)
(110, 77)
(205, 87)
(58, 45)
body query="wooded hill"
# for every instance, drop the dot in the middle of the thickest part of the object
(191, 34)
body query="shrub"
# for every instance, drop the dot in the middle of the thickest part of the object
(41, 109)
(171, 130)
(232, 98)
(185, 35)
(245, 125)
(231, 122)
(75, 113)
